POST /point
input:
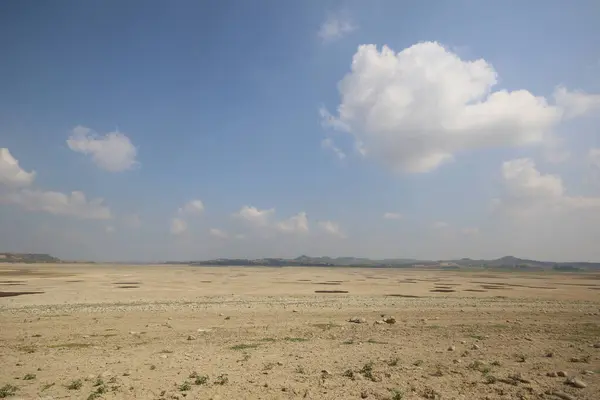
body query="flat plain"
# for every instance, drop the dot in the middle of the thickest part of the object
(170, 331)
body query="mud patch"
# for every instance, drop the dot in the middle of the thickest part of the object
(495, 287)
(13, 294)
(442, 290)
(128, 287)
(75, 281)
(304, 280)
(331, 291)
(205, 281)
(328, 283)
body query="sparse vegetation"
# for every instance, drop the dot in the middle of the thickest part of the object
(393, 362)
(348, 342)
(418, 363)
(300, 370)
(185, 386)
(152, 367)
(8, 390)
(29, 377)
(244, 346)
(69, 346)
(296, 339)
(200, 379)
(75, 384)
(367, 371)
(222, 379)
(397, 394)
(47, 386)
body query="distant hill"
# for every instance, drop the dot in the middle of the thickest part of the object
(508, 262)
(27, 258)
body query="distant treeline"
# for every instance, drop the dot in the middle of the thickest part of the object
(30, 258)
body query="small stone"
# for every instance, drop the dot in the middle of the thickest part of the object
(163, 356)
(552, 374)
(390, 320)
(227, 318)
(475, 347)
(578, 383)
(562, 374)
(588, 372)
(357, 320)
(379, 322)
(596, 345)
(463, 342)
(451, 348)
(279, 363)
(364, 394)
(202, 330)
(550, 354)
(190, 337)
(325, 373)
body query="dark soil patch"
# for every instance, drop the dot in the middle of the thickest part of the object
(443, 290)
(327, 283)
(12, 282)
(594, 288)
(331, 291)
(475, 290)
(408, 296)
(126, 283)
(407, 282)
(304, 280)
(12, 294)
(205, 281)
(494, 287)
(75, 281)
(128, 287)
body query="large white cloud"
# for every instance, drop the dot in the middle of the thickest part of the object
(112, 152)
(74, 204)
(416, 109)
(11, 173)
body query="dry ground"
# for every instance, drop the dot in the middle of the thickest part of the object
(154, 332)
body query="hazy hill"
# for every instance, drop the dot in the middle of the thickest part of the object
(27, 258)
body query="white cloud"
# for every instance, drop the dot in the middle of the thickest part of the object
(178, 226)
(74, 204)
(440, 225)
(132, 221)
(112, 152)
(11, 173)
(332, 228)
(594, 157)
(218, 233)
(335, 27)
(296, 224)
(255, 216)
(392, 215)
(193, 207)
(327, 143)
(528, 190)
(470, 231)
(576, 103)
(416, 109)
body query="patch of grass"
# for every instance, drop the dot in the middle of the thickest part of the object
(521, 357)
(490, 379)
(367, 371)
(8, 390)
(29, 377)
(268, 366)
(99, 382)
(47, 386)
(152, 367)
(268, 339)
(418, 363)
(27, 348)
(327, 326)
(496, 363)
(166, 351)
(69, 346)
(439, 371)
(300, 370)
(201, 380)
(476, 366)
(478, 337)
(348, 342)
(397, 394)
(393, 362)
(244, 346)
(373, 341)
(185, 386)
(222, 379)
(296, 339)
(75, 385)
(349, 374)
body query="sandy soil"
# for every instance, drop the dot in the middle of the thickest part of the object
(163, 332)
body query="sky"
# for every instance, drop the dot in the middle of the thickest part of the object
(154, 130)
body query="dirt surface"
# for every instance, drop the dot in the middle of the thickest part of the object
(164, 332)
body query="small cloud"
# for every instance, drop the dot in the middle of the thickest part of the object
(178, 226)
(335, 27)
(392, 215)
(328, 144)
(440, 225)
(296, 224)
(332, 228)
(193, 207)
(112, 152)
(255, 216)
(11, 173)
(218, 233)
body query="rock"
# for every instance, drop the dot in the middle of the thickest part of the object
(163, 356)
(552, 374)
(451, 348)
(201, 330)
(190, 337)
(596, 345)
(561, 374)
(463, 342)
(550, 354)
(588, 372)
(364, 394)
(475, 347)
(390, 320)
(279, 363)
(325, 374)
(379, 322)
(575, 382)
(563, 396)
(357, 320)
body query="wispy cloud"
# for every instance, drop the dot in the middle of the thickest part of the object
(336, 27)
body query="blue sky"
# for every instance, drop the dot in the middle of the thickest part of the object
(244, 129)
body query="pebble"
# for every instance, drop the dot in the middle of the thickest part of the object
(475, 347)
(552, 374)
(201, 330)
(561, 373)
(588, 372)
(596, 345)
(364, 394)
(163, 356)
(380, 322)
(451, 348)
(578, 383)
(190, 337)
(563, 396)
(390, 320)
